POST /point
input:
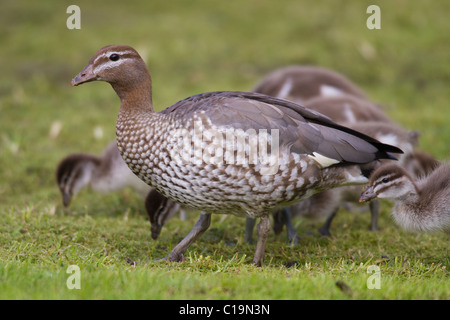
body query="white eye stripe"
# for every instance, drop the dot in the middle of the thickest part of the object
(110, 64)
(108, 53)
(394, 180)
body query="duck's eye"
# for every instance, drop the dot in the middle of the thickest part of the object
(114, 57)
(385, 180)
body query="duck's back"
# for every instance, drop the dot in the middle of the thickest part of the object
(435, 190)
(430, 212)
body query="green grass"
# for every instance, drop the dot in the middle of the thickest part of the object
(192, 47)
(41, 246)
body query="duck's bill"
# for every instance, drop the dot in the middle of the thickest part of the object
(367, 195)
(156, 230)
(85, 75)
(66, 199)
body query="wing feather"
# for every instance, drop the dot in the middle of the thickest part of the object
(302, 130)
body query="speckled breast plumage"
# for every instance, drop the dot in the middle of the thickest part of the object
(145, 142)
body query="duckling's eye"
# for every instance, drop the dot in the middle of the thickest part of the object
(385, 180)
(114, 57)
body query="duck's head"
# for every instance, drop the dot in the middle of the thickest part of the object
(119, 65)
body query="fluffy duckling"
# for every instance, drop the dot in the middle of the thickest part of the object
(159, 210)
(106, 173)
(347, 109)
(421, 206)
(419, 164)
(300, 83)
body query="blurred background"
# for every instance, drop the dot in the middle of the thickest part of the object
(194, 46)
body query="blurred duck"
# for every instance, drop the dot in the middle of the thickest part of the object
(419, 164)
(106, 173)
(300, 83)
(347, 109)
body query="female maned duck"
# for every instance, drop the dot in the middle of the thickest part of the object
(180, 150)
(422, 205)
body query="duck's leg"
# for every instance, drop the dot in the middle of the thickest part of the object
(249, 225)
(292, 235)
(263, 233)
(279, 221)
(325, 228)
(200, 226)
(374, 206)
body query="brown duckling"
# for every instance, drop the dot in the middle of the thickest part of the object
(419, 205)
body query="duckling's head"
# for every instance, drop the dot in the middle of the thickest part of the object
(389, 181)
(159, 210)
(73, 173)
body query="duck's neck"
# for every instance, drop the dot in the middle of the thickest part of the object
(135, 94)
(410, 197)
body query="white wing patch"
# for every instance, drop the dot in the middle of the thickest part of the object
(322, 160)
(389, 138)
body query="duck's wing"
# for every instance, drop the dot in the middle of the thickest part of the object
(301, 130)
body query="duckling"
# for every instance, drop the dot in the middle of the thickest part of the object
(300, 83)
(419, 164)
(420, 206)
(347, 109)
(159, 210)
(106, 173)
